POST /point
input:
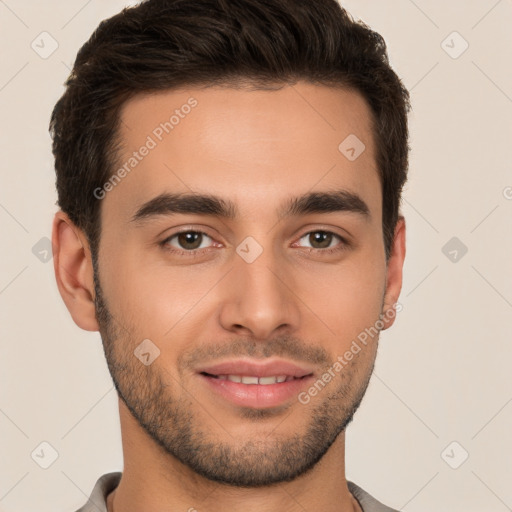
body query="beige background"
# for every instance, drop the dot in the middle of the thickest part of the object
(443, 371)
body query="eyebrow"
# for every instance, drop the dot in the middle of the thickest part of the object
(167, 204)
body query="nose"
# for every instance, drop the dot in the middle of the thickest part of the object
(259, 298)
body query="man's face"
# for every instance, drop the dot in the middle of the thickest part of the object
(257, 286)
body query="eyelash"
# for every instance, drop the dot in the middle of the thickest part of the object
(344, 245)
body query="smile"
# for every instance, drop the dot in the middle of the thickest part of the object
(253, 379)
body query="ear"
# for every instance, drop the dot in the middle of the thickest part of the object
(394, 273)
(73, 271)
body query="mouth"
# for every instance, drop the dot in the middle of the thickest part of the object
(246, 384)
(254, 379)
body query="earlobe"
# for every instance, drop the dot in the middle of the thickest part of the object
(74, 271)
(394, 274)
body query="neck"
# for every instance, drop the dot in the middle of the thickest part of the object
(153, 479)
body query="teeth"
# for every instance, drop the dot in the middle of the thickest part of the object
(249, 379)
(267, 380)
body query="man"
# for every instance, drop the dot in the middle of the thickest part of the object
(229, 177)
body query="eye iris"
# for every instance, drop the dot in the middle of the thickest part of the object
(189, 237)
(321, 236)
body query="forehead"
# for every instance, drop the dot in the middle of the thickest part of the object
(251, 146)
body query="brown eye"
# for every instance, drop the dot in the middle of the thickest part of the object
(187, 240)
(321, 239)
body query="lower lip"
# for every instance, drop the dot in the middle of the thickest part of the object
(257, 395)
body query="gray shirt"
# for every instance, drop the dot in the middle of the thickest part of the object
(109, 481)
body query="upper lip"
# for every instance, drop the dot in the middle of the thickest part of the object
(257, 369)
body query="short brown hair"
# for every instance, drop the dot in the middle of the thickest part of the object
(166, 44)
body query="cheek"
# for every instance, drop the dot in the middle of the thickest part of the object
(349, 300)
(156, 300)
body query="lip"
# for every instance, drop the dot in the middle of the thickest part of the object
(248, 367)
(259, 396)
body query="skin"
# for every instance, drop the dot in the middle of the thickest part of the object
(256, 148)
